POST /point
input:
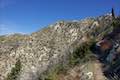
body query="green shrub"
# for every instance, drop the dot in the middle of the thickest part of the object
(15, 71)
(55, 71)
(82, 53)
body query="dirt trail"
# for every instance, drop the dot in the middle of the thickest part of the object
(82, 72)
(98, 74)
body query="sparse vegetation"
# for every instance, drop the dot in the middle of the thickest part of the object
(82, 53)
(12, 38)
(15, 71)
(54, 72)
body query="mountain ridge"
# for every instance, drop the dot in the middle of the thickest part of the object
(43, 50)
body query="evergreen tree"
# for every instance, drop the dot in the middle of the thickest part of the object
(113, 14)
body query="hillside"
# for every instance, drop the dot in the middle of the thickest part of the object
(61, 51)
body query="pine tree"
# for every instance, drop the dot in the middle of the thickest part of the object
(113, 14)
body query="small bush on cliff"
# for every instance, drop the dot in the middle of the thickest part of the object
(82, 53)
(15, 71)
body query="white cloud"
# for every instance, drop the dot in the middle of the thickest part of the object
(6, 29)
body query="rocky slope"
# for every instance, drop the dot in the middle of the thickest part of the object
(39, 53)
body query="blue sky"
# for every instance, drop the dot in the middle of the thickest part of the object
(27, 16)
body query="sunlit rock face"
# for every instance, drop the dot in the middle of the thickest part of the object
(52, 45)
